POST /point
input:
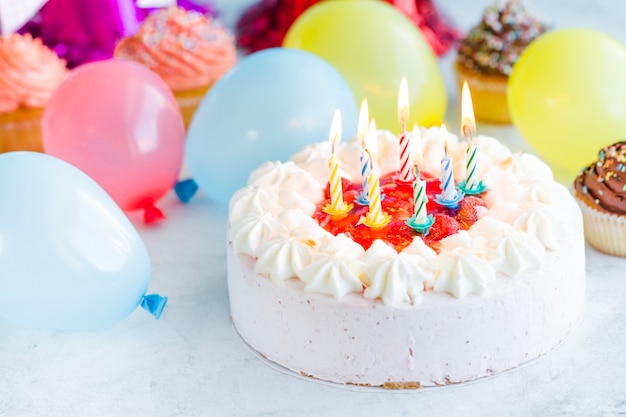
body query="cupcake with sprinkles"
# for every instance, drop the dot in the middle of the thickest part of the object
(187, 49)
(600, 190)
(486, 56)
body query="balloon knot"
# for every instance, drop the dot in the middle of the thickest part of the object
(154, 304)
(152, 214)
(186, 189)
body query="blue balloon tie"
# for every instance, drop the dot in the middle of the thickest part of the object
(186, 189)
(154, 304)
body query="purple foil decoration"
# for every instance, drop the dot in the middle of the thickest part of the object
(81, 31)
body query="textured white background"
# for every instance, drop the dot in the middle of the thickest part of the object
(191, 362)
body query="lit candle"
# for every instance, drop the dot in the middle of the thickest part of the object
(419, 197)
(448, 187)
(337, 207)
(449, 196)
(406, 175)
(375, 217)
(471, 185)
(416, 139)
(468, 128)
(366, 160)
(420, 221)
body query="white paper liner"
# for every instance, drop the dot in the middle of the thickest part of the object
(604, 231)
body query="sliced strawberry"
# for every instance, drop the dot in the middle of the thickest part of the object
(443, 226)
(467, 214)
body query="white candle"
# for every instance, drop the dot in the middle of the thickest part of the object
(448, 187)
(366, 160)
(420, 199)
(468, 128)
(406, 175)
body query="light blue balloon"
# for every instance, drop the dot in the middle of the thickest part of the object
(69, 257)
(270, 105)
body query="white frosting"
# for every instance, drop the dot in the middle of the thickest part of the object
(284, 257)
(462, 266)
(524, 215)
(247, 234)
(514, 251)
(336, 268)
(395, 277)
(253, 200)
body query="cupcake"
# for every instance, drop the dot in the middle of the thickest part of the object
(600, 190)
(188, 50)
(29, 73)
(487, 54)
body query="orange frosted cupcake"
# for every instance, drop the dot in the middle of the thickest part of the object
(487, 54)
(188, 50)
(29, 73)
(600, 190)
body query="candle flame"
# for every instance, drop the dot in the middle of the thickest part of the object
(403, 102)
(363, 121)
(334, 135)
(468, 123)
(444, 135)
(372, 137)
(416, 141)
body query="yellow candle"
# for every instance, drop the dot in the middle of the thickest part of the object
(337, 207)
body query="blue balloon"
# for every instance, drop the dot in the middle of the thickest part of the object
(69, 257)
(271, 104)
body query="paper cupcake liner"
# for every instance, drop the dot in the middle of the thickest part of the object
(488, 94)
(20, 130)
(188, 101)
(604, 231)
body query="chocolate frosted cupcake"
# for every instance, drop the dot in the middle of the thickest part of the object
(600, 190)
(487, 54)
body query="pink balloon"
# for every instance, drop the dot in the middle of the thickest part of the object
(119, 123)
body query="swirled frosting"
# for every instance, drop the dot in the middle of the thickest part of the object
(525, 213)
(185, 48)
(495, 44)
(29, 72)
(336, 269)
(395, 277)
(603, 183)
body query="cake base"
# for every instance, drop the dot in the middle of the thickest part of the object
(188, 102)
(489, 94)
(20, 130)
(442, 341)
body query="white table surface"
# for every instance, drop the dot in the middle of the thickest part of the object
(192, 363)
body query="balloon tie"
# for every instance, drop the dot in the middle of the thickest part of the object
(186, 189)
(152, 214)
(154, 304)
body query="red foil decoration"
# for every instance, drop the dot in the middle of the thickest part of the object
(265, 24)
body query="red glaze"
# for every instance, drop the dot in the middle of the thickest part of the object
(398, 203)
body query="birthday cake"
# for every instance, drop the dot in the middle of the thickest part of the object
(490, 276)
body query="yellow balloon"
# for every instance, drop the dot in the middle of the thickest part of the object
(373, 46)
(567, 97)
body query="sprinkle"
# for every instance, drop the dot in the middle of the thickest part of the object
(585, 188)
(597, 201)
(624, 187)
(600, 192)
